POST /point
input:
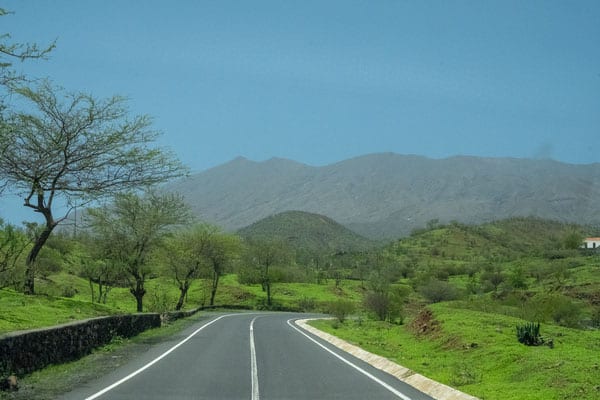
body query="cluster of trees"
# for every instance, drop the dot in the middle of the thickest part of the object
(136, 237)
(62, 150)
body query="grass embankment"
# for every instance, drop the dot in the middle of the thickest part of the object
(477, 352)
(21, 312)
(48, 308)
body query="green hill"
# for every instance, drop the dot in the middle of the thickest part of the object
(497, 241)
(307, 232)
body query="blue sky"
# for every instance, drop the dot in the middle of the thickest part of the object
(322, 81)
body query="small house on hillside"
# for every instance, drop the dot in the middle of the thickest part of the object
(591, 243)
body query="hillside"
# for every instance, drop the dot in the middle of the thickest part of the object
(388, 195)
(494, 242)
(307, 232)
(484, 280)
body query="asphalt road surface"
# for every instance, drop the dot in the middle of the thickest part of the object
(246, 356)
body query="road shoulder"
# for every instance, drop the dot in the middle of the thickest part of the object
(432, 388)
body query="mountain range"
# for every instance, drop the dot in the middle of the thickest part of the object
(387, 195)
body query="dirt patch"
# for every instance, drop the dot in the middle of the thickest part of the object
(424, 324)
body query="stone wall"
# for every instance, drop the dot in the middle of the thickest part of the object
(26, 351)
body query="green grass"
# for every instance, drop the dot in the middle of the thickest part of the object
(49, 308)
(25, 312)
(478, 353)
(287, 295)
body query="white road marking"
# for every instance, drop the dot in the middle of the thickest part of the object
(157, 359)
(253, 367)
(356, 367)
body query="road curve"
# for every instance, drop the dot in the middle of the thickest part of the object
(246, 356)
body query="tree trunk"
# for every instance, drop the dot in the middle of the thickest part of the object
(140, 306)
(213, 289)
(183, 293)
(268, 285)
(29, 285)
(92, 289)
(138, 292)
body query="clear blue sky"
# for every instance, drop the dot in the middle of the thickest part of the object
(321, 81)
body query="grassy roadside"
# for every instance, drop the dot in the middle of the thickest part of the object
(478, 353)
(57, 379)
(48, 308)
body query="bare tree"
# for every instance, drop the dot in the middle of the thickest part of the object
(74, 150)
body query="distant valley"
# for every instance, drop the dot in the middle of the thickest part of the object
(383, 196)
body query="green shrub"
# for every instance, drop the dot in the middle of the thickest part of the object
(436, 291)
(68, 291)
(554, 307)
(529, 334)
(307, 304)
(160, 301)
(341, 309)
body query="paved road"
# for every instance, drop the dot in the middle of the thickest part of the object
(246, 356)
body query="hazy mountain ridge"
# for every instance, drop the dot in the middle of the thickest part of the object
(388, 195)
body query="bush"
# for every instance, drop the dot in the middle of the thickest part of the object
(341, 309)
(436, 291)
(529, 334)
(68, 291)
(307, 304)
(556, 308)
(387, 306)
(378, 304)
(160, 301)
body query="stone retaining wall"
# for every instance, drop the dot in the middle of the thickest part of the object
(26, 351)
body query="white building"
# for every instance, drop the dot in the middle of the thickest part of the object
(591, 243)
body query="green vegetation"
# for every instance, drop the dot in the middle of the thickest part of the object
(445, 302)
(312, 234)
(529, 334)
(477, 353)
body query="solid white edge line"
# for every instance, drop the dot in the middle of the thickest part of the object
(157, 359)
(356, 367)
(253, 365)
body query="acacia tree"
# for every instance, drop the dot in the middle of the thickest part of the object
(203, 250)
(219, 250)
(184, 260)
(265, 254)
(133, 226)
(74, 150)
(105, 273)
